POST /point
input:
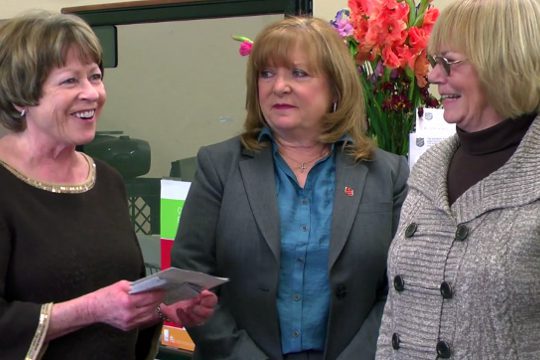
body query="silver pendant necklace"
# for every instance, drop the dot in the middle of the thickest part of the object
(302, 166)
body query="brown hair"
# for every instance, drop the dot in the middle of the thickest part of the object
(31, 45)
(330, 56)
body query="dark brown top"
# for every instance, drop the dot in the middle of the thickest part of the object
(481, 153)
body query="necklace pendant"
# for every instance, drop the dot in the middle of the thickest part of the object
(302, 167)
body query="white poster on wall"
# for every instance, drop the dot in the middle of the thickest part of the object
(431, 128)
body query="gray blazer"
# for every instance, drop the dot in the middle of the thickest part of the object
(230, 227)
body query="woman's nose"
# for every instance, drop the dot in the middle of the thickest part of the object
(89, 91)
(436, 75)
(282, 85)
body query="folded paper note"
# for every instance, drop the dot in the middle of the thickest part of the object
(179, 284)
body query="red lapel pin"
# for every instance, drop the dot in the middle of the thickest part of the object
(349, 191)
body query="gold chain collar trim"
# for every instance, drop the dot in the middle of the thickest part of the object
(59, 188)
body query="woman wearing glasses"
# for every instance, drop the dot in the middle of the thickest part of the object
(464, 266)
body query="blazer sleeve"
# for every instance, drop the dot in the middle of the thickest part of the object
(194, 249)
(364, 343)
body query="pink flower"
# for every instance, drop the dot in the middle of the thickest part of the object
(245, 48)
(245, 44)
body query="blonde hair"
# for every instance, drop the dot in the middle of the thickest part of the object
(329, 55)
(31, 45)
(501, 39)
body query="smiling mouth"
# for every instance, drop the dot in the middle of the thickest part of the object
(85, 115)
(444, 97)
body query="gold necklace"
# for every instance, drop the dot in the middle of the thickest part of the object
(303, 165)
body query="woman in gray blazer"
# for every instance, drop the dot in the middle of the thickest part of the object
(298, 211)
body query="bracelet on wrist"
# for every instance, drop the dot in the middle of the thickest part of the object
(162, 316)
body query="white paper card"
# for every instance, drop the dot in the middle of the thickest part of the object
(419, 145)
(179, 284)
(432, 124)
(174, 189)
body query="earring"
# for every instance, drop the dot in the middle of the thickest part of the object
(23, 112)
(334, 106)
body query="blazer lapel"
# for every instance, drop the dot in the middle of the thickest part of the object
(257, 173)
(350, 181)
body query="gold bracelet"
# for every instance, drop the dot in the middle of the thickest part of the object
(162, 316)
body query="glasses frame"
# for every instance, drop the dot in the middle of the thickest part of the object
(444, 62)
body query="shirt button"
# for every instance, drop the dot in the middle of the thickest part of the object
(341, 291)
(446, 290)
(296, 333)
(296, 297)
(443, 350)
(462, 232)
(395, 341)
(304, 227)
(410, 230)
(399, 283)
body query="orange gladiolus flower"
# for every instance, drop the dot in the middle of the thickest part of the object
(418, 38)
(388, 42)
(430, 17)
(421, 68)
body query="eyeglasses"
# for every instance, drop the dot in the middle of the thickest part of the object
(444, 62)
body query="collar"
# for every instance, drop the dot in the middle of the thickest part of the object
(506, 134)
(515, 183)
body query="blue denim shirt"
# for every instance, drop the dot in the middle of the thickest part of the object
(305, 219)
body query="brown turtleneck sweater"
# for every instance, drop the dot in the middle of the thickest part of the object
(481, 153)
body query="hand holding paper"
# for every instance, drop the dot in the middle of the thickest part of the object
(192, 312)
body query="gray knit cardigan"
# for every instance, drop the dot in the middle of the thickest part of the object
(465, 279)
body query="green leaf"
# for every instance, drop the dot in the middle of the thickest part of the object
(422, 8)
(241, 38)
(412, 12)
